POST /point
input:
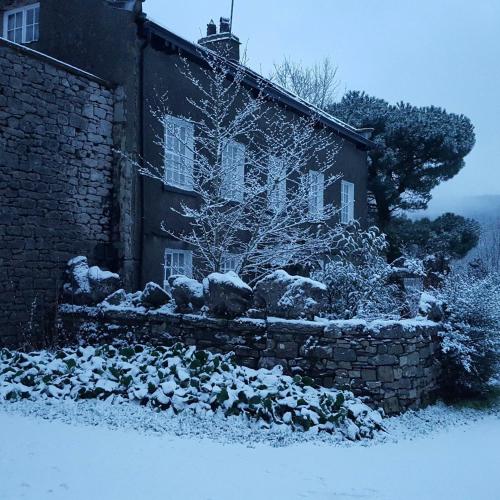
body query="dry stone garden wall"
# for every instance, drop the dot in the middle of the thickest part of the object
(57, 126)
(393, 363)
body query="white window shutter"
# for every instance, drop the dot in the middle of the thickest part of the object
(179, 152)
(316, 193)
(312, 192)
(233, 170)
(347, 202)
(189, 158)
(351, 201)
(276, 180)
(240, 182)
(321, 193)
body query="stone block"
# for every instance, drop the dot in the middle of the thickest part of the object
(342, 354)
(385, 374)
(368, 374)
(384, 359)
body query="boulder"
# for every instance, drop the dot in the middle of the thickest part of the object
(154, 296)
(88, 285)
(117, 298)
(226, 295)
(102, 283)
(291, 297)
(187, 293)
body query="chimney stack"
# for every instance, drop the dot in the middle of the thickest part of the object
(224, 42)
(211, 28)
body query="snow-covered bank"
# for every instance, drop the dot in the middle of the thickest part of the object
(60, 460)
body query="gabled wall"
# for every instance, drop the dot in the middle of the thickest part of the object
(56, 184)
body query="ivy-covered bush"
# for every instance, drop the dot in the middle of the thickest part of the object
(179, 378)
(470, 338)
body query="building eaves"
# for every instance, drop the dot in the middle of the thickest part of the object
(253, 79)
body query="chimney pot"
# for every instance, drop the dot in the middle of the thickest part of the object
(211, 28)
(225, 26)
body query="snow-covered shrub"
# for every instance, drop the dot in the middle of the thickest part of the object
(178, 378)
(357, 279)
(471, 332)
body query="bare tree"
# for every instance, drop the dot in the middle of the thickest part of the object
(317, 84)
(488, 248)
(259, 175)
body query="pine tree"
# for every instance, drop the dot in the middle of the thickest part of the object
(417, 148)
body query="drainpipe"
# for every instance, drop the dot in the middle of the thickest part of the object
(143, 32)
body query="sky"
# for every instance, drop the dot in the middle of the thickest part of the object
(426, 52)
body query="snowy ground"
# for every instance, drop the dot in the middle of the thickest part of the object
(93, 450)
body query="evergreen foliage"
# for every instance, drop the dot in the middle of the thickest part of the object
(450, 235)
(417, 148)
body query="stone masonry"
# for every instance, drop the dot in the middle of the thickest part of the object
(393, 363)
(57, 128)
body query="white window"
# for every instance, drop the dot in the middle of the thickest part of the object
(177, 262)
(230, 263)
(316, 193)
(179, 152)
(233, 171)
(276, 184)
(22, 25)
(347, 202)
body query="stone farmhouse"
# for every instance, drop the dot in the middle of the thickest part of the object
(69, 100)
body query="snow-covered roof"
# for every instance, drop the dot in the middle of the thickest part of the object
(273, 89)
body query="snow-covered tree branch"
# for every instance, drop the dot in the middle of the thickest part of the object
(259, 174)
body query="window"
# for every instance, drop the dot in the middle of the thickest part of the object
(347, 202)
(177, 262)
(22, 25)
(316, 193)
(233, 166)
(230, 263)
(179, 148)
(276, 184)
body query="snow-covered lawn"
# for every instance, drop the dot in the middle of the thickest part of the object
(94, 450)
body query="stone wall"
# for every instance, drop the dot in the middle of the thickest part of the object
(56, 183)
(393, 363)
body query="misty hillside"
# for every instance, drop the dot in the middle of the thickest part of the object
(483, 208)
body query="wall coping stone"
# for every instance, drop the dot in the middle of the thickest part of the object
(381, 329)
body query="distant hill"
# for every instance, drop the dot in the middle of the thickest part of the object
(483, 208)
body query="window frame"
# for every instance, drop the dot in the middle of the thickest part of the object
(347, 200)
(233, 180)
(185, 165)
(276, 194)
(24, 24)
(316, 181)
(187, 266)
(230, 259)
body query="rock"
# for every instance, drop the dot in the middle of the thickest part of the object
(291, 297)
(430, 307)
(154, 296)
(226, 295)
(88, 286)
(116, 298)
(187, 293)
(102, 283)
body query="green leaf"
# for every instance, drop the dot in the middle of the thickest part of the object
(222, 396)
